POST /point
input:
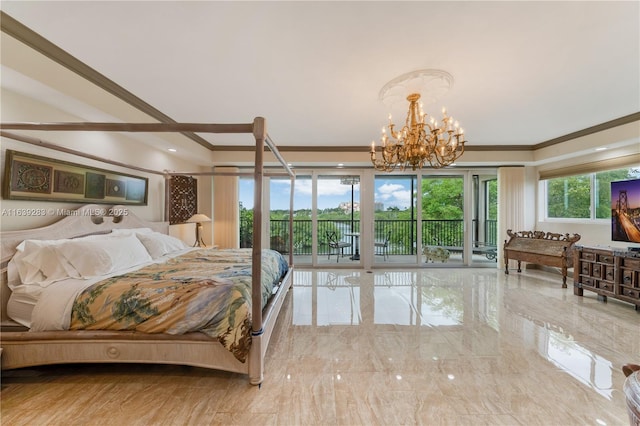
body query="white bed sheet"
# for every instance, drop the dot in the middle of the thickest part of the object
(20, 307)
(49, 308)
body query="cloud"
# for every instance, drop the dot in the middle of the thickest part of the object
(393, 195)
(326, 187)
(389, 188)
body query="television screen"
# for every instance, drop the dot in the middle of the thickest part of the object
(625, 210)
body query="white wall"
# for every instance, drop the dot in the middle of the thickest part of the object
(114, 146)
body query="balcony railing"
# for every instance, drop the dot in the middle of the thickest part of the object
(448, 233)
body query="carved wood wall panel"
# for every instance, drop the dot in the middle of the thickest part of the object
(183, 198)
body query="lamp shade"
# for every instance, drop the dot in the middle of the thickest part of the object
(198, 218)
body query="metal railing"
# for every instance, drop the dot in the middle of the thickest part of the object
(403, 234)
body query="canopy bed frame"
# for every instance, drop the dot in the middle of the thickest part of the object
(21, 348)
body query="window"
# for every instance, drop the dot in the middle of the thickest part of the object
(584, 196)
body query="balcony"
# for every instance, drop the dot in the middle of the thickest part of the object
(402, 246)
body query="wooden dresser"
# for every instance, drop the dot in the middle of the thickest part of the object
(607, 272)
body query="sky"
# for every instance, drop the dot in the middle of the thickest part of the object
(633, 192)
(391, 192)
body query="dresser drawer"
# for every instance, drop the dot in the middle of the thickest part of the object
(587, 281)
(609, 273)
(588, 256)
(606, 286)
(585, 268)
(605, 258)
(596, 271)
(630, 292)
(632, 263)
(629, 277)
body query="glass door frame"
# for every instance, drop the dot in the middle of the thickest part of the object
(367, 217)
(316, 238)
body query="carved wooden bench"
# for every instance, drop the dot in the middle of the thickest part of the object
(541, 248)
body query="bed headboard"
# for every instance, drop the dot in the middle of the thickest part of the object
(88, 219)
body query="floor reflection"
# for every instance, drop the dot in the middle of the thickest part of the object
(556, 344)
(404, 298)
(489, 321)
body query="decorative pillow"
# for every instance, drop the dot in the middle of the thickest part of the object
(102, 256)
(158, 244)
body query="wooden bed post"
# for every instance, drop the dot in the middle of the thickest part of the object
(291, 194)
(256, 371)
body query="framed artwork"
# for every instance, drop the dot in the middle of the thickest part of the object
(32, 177)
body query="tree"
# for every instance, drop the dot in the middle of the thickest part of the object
(246, 226)
(442, 198)
(570, 197)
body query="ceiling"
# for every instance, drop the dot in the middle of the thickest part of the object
(524, 72)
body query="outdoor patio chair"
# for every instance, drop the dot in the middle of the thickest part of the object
(334, 243)
(382, 247)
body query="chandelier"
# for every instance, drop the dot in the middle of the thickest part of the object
(419, 142)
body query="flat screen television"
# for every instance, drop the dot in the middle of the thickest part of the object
(625, 210)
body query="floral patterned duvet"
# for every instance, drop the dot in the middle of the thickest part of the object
(206, 290)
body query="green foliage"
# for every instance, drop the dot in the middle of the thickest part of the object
(492, 192)
(246, 226)
(442, 198)
(570, 197)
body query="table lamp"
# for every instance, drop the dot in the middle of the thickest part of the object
(198, 218)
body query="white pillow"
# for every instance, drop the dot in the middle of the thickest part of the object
(95, 257)
(129, 231)
(158, 244)
(36, 262)
(51, 264)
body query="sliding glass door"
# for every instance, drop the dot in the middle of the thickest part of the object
(485, 218)
(442, 224)
(436, 219)
(395, 220)
(338, 220)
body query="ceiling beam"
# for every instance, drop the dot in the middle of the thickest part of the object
(35, 41)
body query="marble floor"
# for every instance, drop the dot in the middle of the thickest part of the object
(439, 346)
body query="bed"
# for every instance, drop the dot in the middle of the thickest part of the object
(70, 330)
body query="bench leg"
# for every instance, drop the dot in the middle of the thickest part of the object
(519, 268)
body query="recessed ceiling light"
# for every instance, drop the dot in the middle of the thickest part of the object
(172, 150)
(340, 165)
(602, 148)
